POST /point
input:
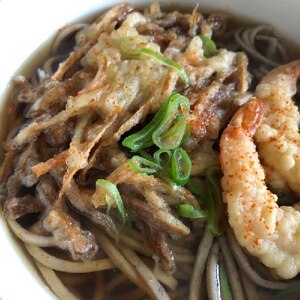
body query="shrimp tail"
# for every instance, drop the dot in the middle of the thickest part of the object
(248, 118)
(281, 81)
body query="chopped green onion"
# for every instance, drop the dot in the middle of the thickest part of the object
(143, 138)
(108, 191)
(194, 186)
(169, 63)
(170, 132)
(130, 46)
(167, 131)
(166, 137)
(174, 135)
(134, 46)
(143, 165)
(167, 128)
(225, 289)
(211, 195)
(165, 177)
(213, 200)
(188, 211)
(181, 166)
(162, 160)
(209, 46)
(145, 154)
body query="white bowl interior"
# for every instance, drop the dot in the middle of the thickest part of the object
(21, 33)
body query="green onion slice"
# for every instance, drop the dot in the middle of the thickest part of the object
(181, 166)
(166, 130)
(108, 191)
(213, 200)
(165, 177)
(195, 187)
(167, 62)
(143, 153)
(162, 156)
(174, 136)
(209, 46)
(142, 165)
(225, 289)
(130, 46)
(143, 138)
(188, 211)
(170, 132)
(134, 46)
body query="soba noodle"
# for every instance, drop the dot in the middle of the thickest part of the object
(111, 177)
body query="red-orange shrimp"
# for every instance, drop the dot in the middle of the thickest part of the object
(278, 138)
(267, 231)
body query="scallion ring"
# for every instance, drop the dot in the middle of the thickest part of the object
(194, 186)
(213, 200)
(225, 288)
(142, 165)
(110, 193)
(188, 211)
(169, 63)
(162, 156)
(209, 46)
(143, 138)
(170, 132)
(181, 166)
(130, 46)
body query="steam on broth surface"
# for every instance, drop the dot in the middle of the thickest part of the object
(130, 168)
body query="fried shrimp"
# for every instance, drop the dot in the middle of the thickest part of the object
(266, 230)
(278, 138)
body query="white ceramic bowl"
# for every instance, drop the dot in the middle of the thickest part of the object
(24, 25)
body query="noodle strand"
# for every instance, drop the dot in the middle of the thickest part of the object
(212, 275)
(119, 260)
(30, 238)
(149, 278)
(54, 282)
(233, 274)
(63, 265)
(199, 265)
